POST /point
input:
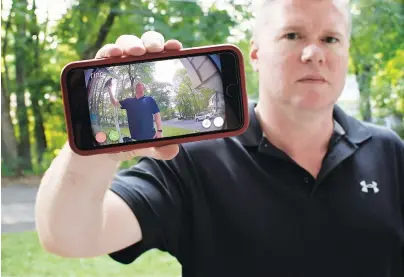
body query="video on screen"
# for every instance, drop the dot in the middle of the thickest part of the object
(152, 100)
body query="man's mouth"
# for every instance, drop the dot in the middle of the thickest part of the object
(312, 79)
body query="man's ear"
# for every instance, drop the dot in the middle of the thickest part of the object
(254, 55)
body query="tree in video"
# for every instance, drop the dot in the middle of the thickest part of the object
(152, 100)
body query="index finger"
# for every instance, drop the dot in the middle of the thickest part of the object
(109, 50)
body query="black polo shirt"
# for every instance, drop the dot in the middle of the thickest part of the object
(241, 207)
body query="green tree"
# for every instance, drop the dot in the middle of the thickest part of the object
(161, 94)
(388, 90)
(189, 101)
(377, 34)
(388, 86)
(252, 83)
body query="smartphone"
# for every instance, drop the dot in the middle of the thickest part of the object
(172, 97)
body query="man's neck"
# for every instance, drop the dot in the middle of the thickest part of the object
(297, 133)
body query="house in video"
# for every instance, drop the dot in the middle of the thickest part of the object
(216, 103)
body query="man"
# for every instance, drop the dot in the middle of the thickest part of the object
(141, 112)
(305, 191)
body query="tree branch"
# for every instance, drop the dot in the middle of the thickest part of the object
(103, 32)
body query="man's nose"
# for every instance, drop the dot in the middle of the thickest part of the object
(314, 54)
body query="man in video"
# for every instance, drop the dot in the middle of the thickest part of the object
(141, 111)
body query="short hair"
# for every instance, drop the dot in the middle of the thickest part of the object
(259, 5)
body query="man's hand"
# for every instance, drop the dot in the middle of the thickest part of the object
(109, 88)
(125, 45)
(109, 84)
(158, 135)
(111, 95)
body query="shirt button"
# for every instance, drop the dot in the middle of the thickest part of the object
(265, 145)
(306, 180)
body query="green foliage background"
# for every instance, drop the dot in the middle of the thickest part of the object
(36, 48)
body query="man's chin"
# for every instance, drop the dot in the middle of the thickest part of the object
(316, 109)
(313, 105)
(310, 103)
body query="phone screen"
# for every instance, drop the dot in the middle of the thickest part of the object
(155, 100)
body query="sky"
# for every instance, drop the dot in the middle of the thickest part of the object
(56, 8)
(165, 70)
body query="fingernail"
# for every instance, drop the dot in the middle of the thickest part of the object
(154, 43)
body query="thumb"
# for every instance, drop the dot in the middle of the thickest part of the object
(167, 152)
(161, 153)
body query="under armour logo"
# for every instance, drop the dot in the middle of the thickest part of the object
(366, 187)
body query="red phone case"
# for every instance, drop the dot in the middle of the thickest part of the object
(148, 56)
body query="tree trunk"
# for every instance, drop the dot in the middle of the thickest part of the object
(9, 150)
(363, 76)
(9, 145)
(364, 79)
(102, 107)
(132, 81)
(39, 129)
(24, 147)
(97, 107)
(5, 81)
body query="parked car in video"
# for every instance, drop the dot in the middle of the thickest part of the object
(202, 116)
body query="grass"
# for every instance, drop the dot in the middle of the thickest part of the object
(22, 255)
(168, 131)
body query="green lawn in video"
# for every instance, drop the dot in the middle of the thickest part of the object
(168, 131)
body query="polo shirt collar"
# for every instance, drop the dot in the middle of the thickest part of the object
(253, 135)
(344, 125)
(356, 131)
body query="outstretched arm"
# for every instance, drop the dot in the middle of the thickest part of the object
(111, 96)
(78, 212)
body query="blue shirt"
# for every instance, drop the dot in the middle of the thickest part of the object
(140, 116)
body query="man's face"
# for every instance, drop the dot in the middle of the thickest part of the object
(139, 90)
(302, 38)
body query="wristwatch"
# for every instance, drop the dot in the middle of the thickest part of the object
(160, 131)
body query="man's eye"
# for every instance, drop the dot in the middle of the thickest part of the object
(292, 36)
(331, 40)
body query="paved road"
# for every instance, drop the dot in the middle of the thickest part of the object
(190, 124)
(17, 208)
